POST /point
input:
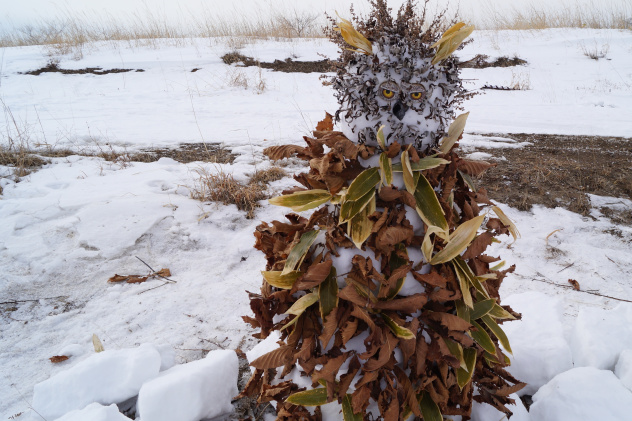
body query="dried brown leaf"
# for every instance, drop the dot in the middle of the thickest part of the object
(575, 284)
(273, 359)
(473, 168)
(276, 153)
(58, 358)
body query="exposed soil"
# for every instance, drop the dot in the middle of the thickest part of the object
(288, 65)
(54, 68)
(559, 170)
(187, 152)
(481, 61)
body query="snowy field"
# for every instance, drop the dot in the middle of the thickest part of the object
(70, 226)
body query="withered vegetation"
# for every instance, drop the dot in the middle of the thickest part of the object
(288, 65)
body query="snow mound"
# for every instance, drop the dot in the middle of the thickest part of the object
(107, 377)
(583, 393)
(95, 412)
(623, 369)
(485, 412)
(600, 335)
(535, 362)
(193, 391)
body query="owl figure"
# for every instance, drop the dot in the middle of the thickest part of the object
(381, 304)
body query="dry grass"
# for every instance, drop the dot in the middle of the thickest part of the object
(595, 51)
(267, 176)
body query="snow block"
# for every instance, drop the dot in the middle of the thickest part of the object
(191, 392)
(540, 351)
(601, 335)
(107, 377)
(485, 412)
(623, 369)
(95, 412)
(583, 393)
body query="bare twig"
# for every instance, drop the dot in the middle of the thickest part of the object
(562, 270)
(591, 292)
(29, 301)
(154, 272)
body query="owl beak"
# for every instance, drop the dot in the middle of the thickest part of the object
(399, 109)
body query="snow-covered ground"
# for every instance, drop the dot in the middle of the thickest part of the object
(67, 228)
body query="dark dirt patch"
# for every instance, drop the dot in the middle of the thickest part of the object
(481, 61)
(288, 65)
(54, 68)
(559, 170)
(188, 152)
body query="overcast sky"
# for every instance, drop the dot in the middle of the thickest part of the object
(21, 12)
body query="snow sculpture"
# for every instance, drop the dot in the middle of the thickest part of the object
(382, 300)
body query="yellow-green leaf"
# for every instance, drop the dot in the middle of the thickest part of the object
(302, 200)
(396, 262)
(298, 252)
(427, 246)
(399, 331)
(468, 180)
(498, 332)
(454, 132)
(347, 410)
(464, 285)
(313, 397)
(482, 338)
(460, 239)
(353, 37)
(463, 376)
(465, 269)
(508, 222)
(386, 168)
(360, 225)
(409, 181)
(363, 183)
(456, 349)
(350, 209)
(428, 207)
(462, 310)
(328, 294)
(380, 137)
(450, 41)
(96, 343)
(276, 279)
(302, 303)
(498, 266)
(426, 163)
(481, 308)
(500, 313)
(429, 409)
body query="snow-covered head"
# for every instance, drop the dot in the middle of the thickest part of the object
(394, 84)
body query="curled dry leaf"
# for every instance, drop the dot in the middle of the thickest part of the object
(575, 284)
(58, 358)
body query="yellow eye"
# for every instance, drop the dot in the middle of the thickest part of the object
(416, 95)
(388, 93)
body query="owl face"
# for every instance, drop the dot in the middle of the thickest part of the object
(396, 87)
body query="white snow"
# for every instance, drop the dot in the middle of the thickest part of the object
(540, 351)
(95, 412)
(584, 393)
(623, 369)
(68, 227)
(106, 377)
(193, 391)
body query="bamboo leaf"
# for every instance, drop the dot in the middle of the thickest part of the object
(328, 294)
(508, 222)
(426, 163)
(500, 313)
(399, 331)
(454, 132)
(380, 137)
(462, 310)
(313, 397)
(429, 409)
(409, 181)
(464, 285)
(463, 376)
(460, 239)
(498, 266)
(482, 338)
(302, 200)
(456, 349)
(353, 37)
(302, 303)
(360, 225)
(465, 269)
(428, 206)
(298, 252)
(347, 410)
(498, 332)
(481, 308)
(394, 263)
(349, 210)
(363, 183)
(276, 279)
(386, 168)
(468, 180)
(450, 41)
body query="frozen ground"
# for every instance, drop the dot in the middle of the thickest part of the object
(70, 226)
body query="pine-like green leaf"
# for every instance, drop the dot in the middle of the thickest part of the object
(428, 206)
(454, 132)
(481, 308)
(482, 338)
(313, 397)
(460, 239)
(498, 332)
(328, 294)
(429, 409)
(347, 410)
(298, 252)
(302, 200)
(386, 168)
(276, 279)
(302, 303)
(463, 376)
(399, 331)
